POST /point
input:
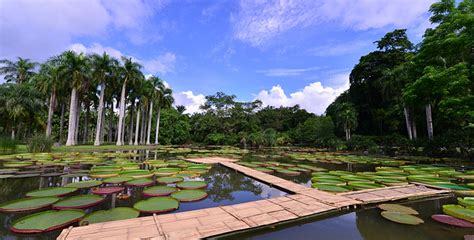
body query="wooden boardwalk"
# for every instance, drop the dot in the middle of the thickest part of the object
(214, 221)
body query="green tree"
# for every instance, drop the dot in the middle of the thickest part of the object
(19, 71)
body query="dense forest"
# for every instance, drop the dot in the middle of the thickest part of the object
(401, 95)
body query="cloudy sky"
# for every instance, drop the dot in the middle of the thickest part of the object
(283, 52)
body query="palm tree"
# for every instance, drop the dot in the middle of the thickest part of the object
(49, 80)
(75, 68)
(130, 72)
(347, 117)
(154, 87)
(19, 71)
(165, 100)
(102, 67)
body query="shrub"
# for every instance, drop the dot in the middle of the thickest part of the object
(40, 143)
(360, 143)
(7, 145)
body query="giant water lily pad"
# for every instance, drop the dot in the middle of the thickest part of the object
(330, 188)
(288, 172)
(28, 204)
(103, 174)
(46, 221)
(78, 202)
(446, 219)
(140, 182)
(137, 174)
(264, 169)
(107, 190)
(114, 214)
(169, 180)
(467, 202)
(84, 184)
(157, 205)
(51, 192)
(189, 195)
(459, 212)
(364, 185)
(192, 185)
(402, 218)
(159, 191)
(397, 208)
(117, 180)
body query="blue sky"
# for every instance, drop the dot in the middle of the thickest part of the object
(283, 52)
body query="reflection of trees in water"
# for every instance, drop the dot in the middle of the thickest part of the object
(223, 182)
(372, 225)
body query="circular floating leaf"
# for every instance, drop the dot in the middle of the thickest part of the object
(84, 184)
(265, 170)
(117, 180)
(397, 208)
(364, 185)
(137, 174)
(157, 205)
(159, 191)
(107, 190)
(288, 172)
(103, 174)
(140, 182)
(446, 219)
(459, 212)
(329, 188)
(192, 185)
(28, 204)
(78, 202)
(51, 192)
(401, 218)
(169, 180)
(46, 221)
(189, 195)
(467, 202)
(113, 214)
(25, 175)
(6, 176)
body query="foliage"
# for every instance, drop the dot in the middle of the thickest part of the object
(7, 145)
(361, 143)
(40, 143)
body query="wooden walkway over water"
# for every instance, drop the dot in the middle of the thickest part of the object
(214, 221)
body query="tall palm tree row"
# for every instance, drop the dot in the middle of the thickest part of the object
(94, 86)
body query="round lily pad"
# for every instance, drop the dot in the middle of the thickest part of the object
(264, 169)
(189, 195)
(192, 185)
(401, 218)
(364, 185)
(166, 171)
(159, 191)
(157, 205)
(113, 214)
(107, 190)
(397, 208)
(28, 204)
(329, 188)
(78, 202)
(169, 180)
(137, 174)
(46, 221)
(467, 202)
(51, 192)
(103, 174)
(446, 219)
(117, 180)
(459, 211)
(288, 172)
(84, 184)
(140, 182)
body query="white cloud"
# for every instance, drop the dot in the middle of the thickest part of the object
(314, 97)
(257, 22)
(39, 29)
(161, 64)
(191, 101)
(338, 49)
(284, 72)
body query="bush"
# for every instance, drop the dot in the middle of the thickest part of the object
(40, 143)
(7, 145)
(360, 143)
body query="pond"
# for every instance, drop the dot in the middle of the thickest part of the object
(363, 224)
(224, 187)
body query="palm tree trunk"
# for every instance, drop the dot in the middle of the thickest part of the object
(407, 122)
(157, 125)
(13, 133)
(71, 130)
(111, 119)
(150, 116)
(78, 117)
(347, 133)
(413, 127)
(85, 138)
(429, 121)
(61, 124)
(100, 116)
(121, 114)
(142, 132)
(52, 102)
(137, 127)
(130, 128)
